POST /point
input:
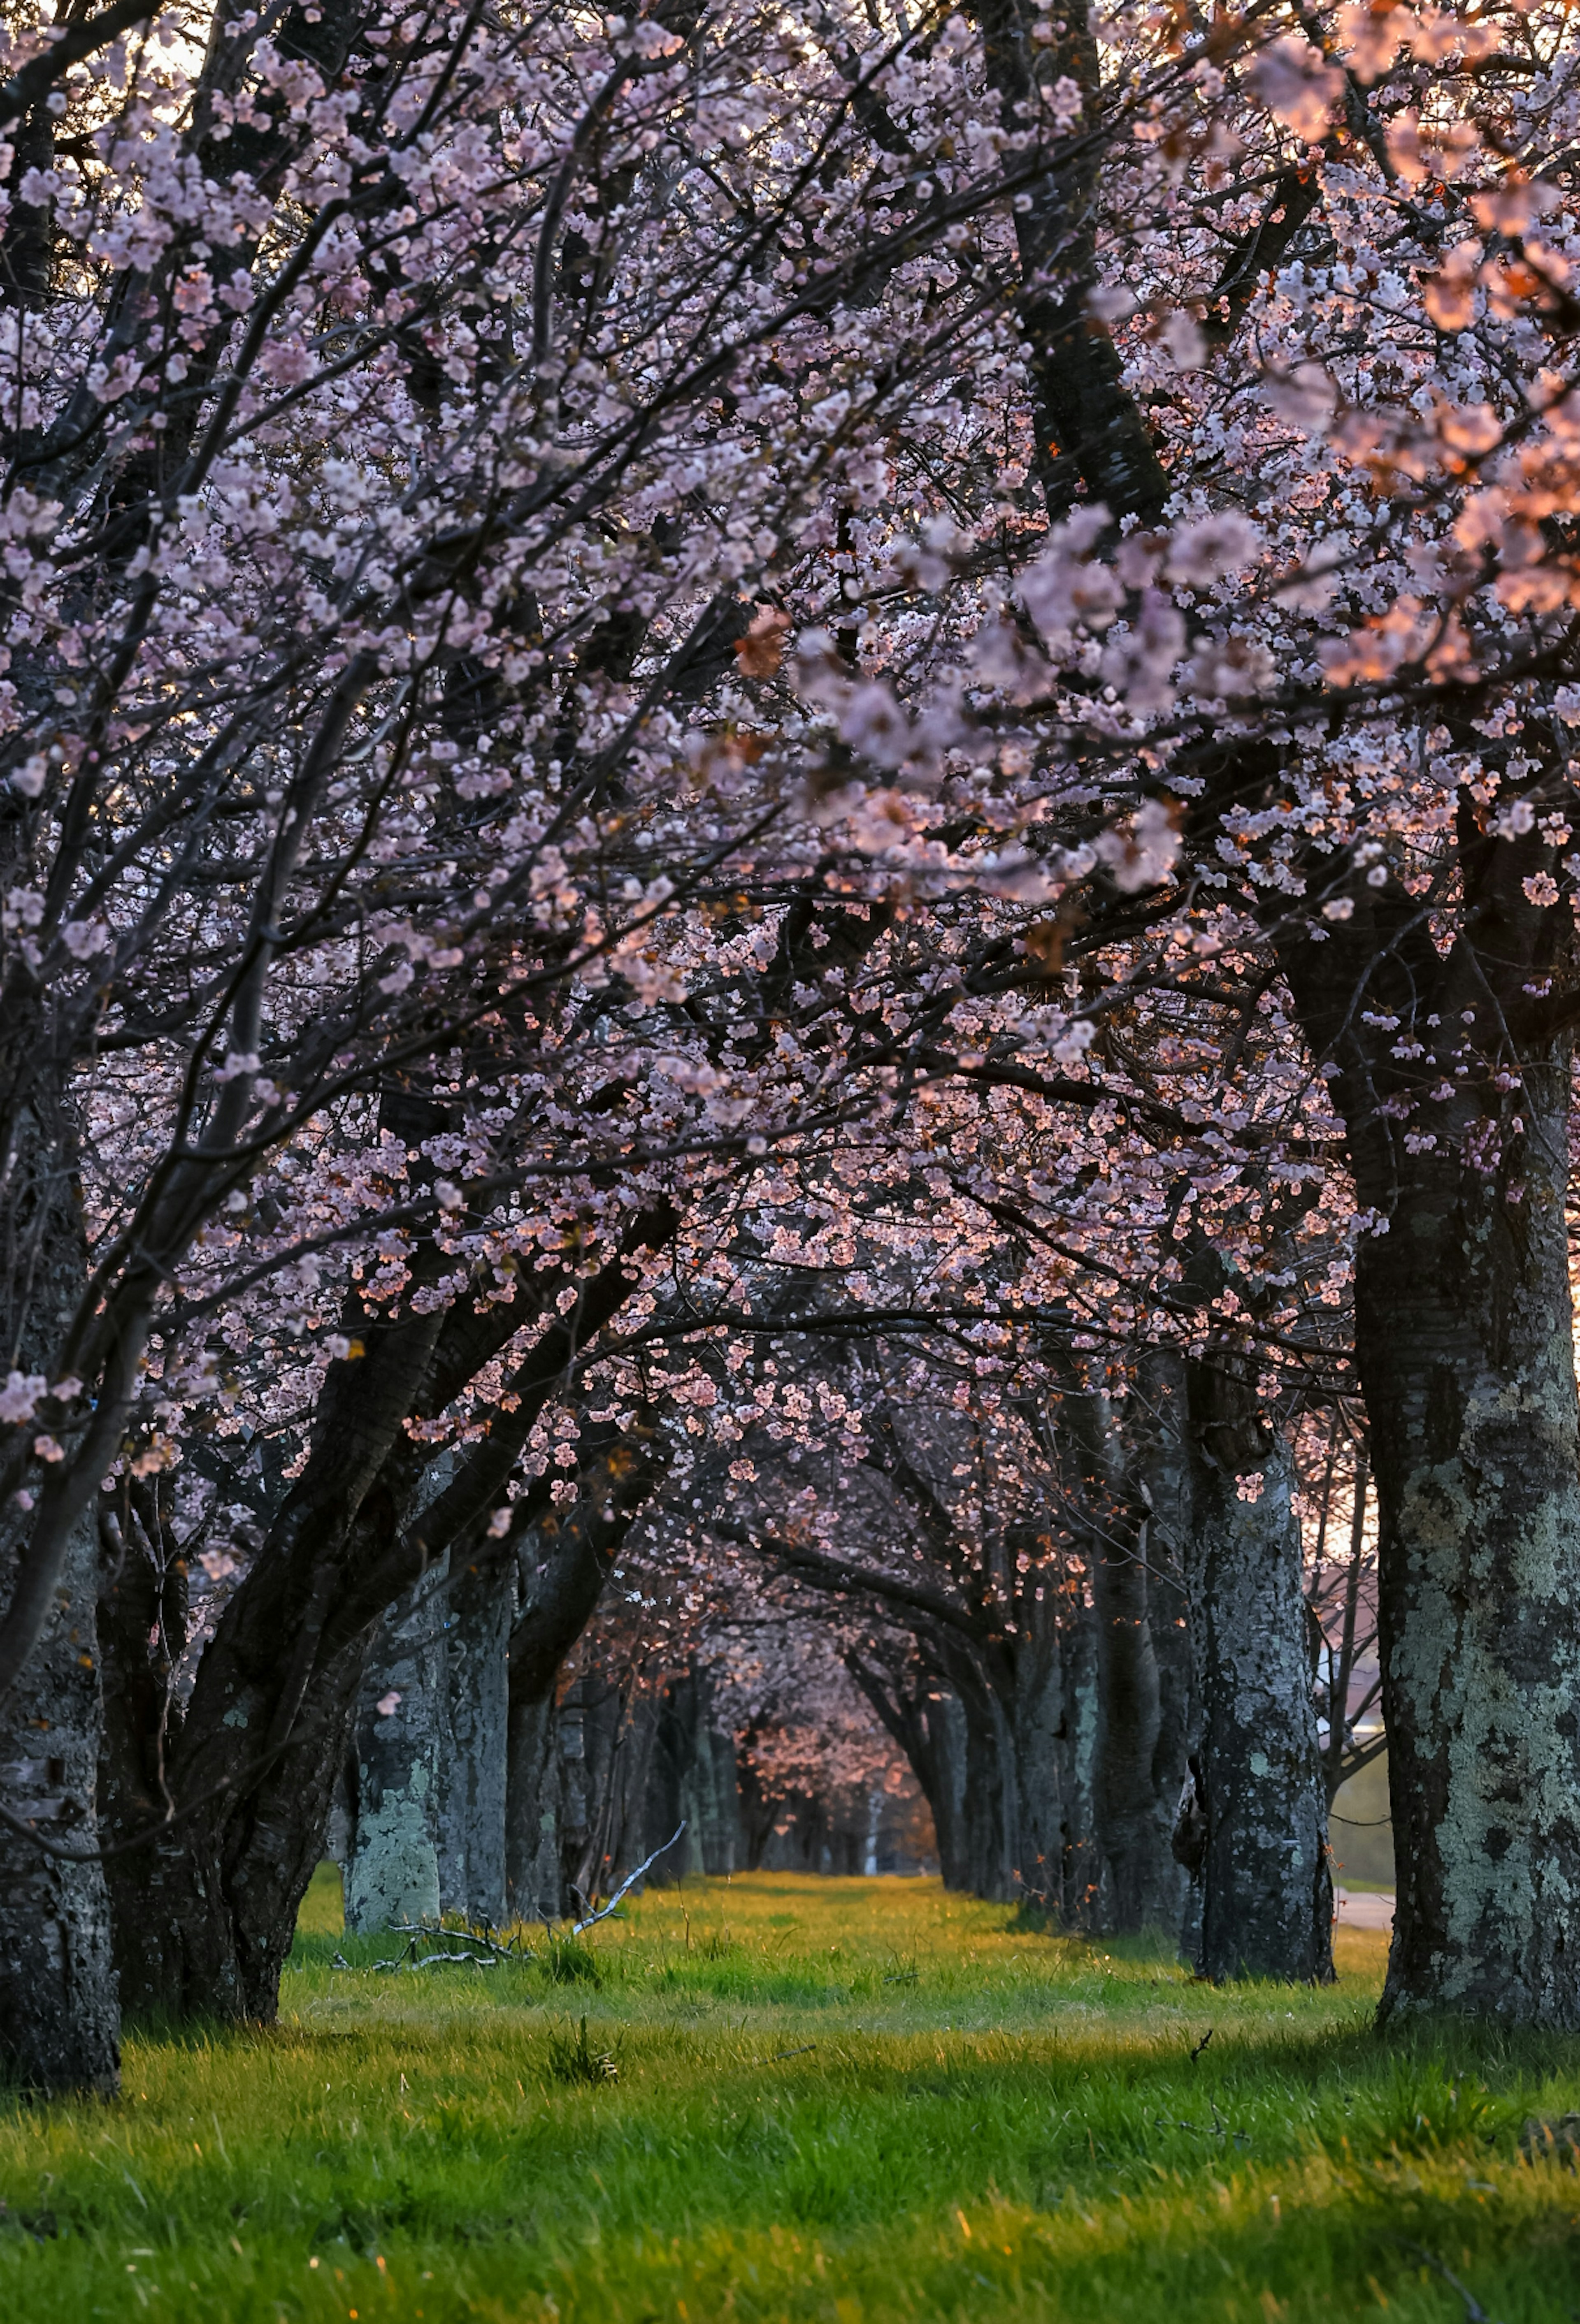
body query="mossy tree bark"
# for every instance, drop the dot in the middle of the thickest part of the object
(472, 1798)
(397, 1755)
(1464, 1339)
(1267, 1902)
(60, 2015)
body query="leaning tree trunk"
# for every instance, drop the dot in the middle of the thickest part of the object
(60, 2013)
(264, 1730)
(1267, 1902)
(564, 1563)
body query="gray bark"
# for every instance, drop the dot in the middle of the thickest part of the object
(60, 2018)
(535, 1876)
(1267, 1902)
(694, 1779)
(1464, 1333)
(1463, 1343)
(472, 1793)
(1085, 1871)
(391, 1869)
(1042, 1773)
(60, 2009)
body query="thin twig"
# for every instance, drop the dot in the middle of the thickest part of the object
(507, 1948)
(629, 1881)
(1474, 2313)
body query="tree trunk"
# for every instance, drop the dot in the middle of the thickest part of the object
(928, 1720)
(1464, 1333)
(210, 1917)
(1088, 427)
(1085, 1881)
(1164, 1466)
(392, 1864)
(992, 1793)
(759, 1813)
(59, 2011)
(564, 1560)
(1130, 1702)
(1041, 1765)
(1464, 1340)
(693, 1780)
(60, 2018)
(472, 1795)
(1267, 1906)
(534, 1874)
(938, 1755)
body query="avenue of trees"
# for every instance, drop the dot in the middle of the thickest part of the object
(786, 808)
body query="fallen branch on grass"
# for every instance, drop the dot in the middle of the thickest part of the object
(629, 1881)
(1474, 2313)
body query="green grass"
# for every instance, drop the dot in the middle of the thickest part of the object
(838, 2100)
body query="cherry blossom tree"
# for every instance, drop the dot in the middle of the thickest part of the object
(651, 653)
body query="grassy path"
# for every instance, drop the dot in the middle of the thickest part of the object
(840, 2100)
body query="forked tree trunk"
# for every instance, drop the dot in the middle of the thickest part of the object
(1267, 1902)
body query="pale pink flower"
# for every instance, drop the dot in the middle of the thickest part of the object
(20, 1396)
(1297, 85)
(1145, 854)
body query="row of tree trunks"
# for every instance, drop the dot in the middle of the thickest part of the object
(1055, 1757)
(694, 1779)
